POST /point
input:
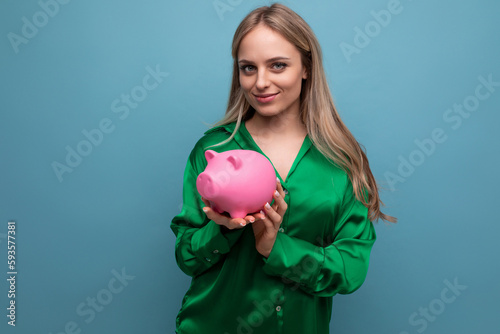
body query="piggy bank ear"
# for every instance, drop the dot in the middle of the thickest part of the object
(209, 155)
(235, 161)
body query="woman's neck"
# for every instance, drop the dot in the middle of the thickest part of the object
(281, 125)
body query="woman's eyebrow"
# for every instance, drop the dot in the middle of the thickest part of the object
(267, 61)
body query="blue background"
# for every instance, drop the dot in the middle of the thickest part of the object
(112, 211)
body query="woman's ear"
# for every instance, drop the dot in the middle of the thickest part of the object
(304, 73)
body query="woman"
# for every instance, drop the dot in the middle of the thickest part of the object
(279, 273)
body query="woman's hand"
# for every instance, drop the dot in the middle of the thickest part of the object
(223, 220)
(267, 225)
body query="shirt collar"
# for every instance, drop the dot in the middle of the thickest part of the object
(228, 127)
(244, 141)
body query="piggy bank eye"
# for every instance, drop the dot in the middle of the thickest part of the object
(235, 162)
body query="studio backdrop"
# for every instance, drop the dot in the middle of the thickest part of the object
(102, 102)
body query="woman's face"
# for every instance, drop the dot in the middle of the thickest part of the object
(271, 72)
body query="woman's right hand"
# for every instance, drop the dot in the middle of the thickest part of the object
(223, 220)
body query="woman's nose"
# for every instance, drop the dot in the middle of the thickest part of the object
(262, 80)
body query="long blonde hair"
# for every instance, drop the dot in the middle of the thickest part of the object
(324, 126)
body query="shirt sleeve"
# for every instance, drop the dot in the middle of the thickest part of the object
(200, 242)
(326, 270)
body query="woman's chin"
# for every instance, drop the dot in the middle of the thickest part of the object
(268, 112)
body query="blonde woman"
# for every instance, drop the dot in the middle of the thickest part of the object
(277, 270)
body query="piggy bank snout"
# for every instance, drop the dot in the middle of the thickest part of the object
(206, 186)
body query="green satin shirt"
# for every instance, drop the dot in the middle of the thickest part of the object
(322, 248)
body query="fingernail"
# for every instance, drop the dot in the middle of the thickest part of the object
(242, 224)
(252, 219)
(263, 213)
(205, 209)
(278, 179)
(267, 206)
(276, 193)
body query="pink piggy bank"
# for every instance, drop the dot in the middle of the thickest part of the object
(237, 181)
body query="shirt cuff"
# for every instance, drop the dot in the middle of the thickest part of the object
(210, 243)
(295, 265)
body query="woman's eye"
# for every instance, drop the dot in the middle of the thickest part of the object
(279, 66)
(247, 68)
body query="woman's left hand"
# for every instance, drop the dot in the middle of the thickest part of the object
(266, 226)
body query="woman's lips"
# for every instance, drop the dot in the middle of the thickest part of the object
(265, 98)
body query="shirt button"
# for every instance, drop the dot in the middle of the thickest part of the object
(281, 229)
(285, 191)
(208, 260)
(215, 251)
(278, 308)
